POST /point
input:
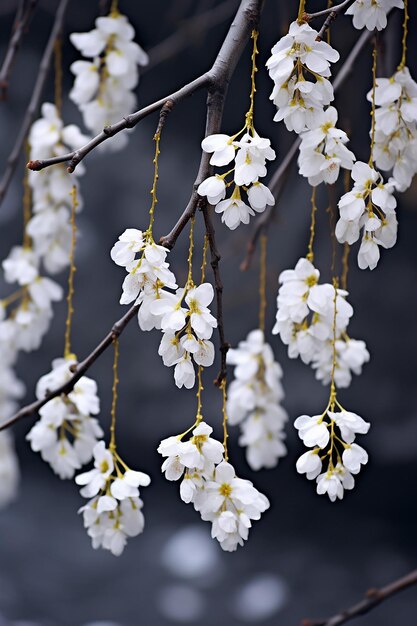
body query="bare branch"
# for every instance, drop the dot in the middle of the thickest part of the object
(34, 100)
(373, 598)
(246, 19)
(23, 17)
(337, 8)
(76, 156)
(280, 176)
(188, 33)
(226, 60)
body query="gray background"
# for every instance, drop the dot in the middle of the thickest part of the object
(307, 557)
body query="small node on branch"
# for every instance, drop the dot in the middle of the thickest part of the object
(35, 166)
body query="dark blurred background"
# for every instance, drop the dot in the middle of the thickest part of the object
(306, 557)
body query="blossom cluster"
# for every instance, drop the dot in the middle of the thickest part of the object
(103, 87)
(249, 155)
(66, 433)
(49, 227)
(9, 470)
(300, 68)
(372, 14)
(305, 319)
(114, 510)
(323, 151)
(396, 127)
(369, 206)
(26, 315)
(184, 317)
(334, 458)
(210, 483)
(253, 401)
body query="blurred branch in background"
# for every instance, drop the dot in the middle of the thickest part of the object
(189, 33)
(21, 23)
(373, 598)
(34, 100)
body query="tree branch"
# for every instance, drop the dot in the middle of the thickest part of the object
(246, 19)
(22, 21)
(34, 100)
(373, 598)
(337, 8)
(220, 71)
(280, 176)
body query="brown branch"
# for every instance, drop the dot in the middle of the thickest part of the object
(280, 176)
(246, 19)
(373, 598)
(215, 260)
(337, 8)
(34, 100)
(23, 17)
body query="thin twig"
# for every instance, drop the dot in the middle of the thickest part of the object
(23, 17)
(280, 176)
(246, 19)
(373, 598)
(337, 8)
(188, 33)
(34, 100)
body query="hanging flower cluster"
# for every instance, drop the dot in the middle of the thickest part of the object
(369, 206)
(9, 469)
(305, 324)
(249, 153)
(66, 434)
(334, 458)
(49, 228)
(254, 398)
(300, 68)
(211, 484)
(372, 14)
(183, 316)
(323, 151)
(114, 511)
(103, 88)
(396, 127)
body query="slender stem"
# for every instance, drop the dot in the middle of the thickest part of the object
(224, 413)
(262, 282)
(374, 56)
(334, 352)
(255, 51)
(404, 40)
(200, 389)
(189, 284)
(345, 266)
(157, 139)
(112, 445)
(310, 254)
(72, 270)
(204, 261)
